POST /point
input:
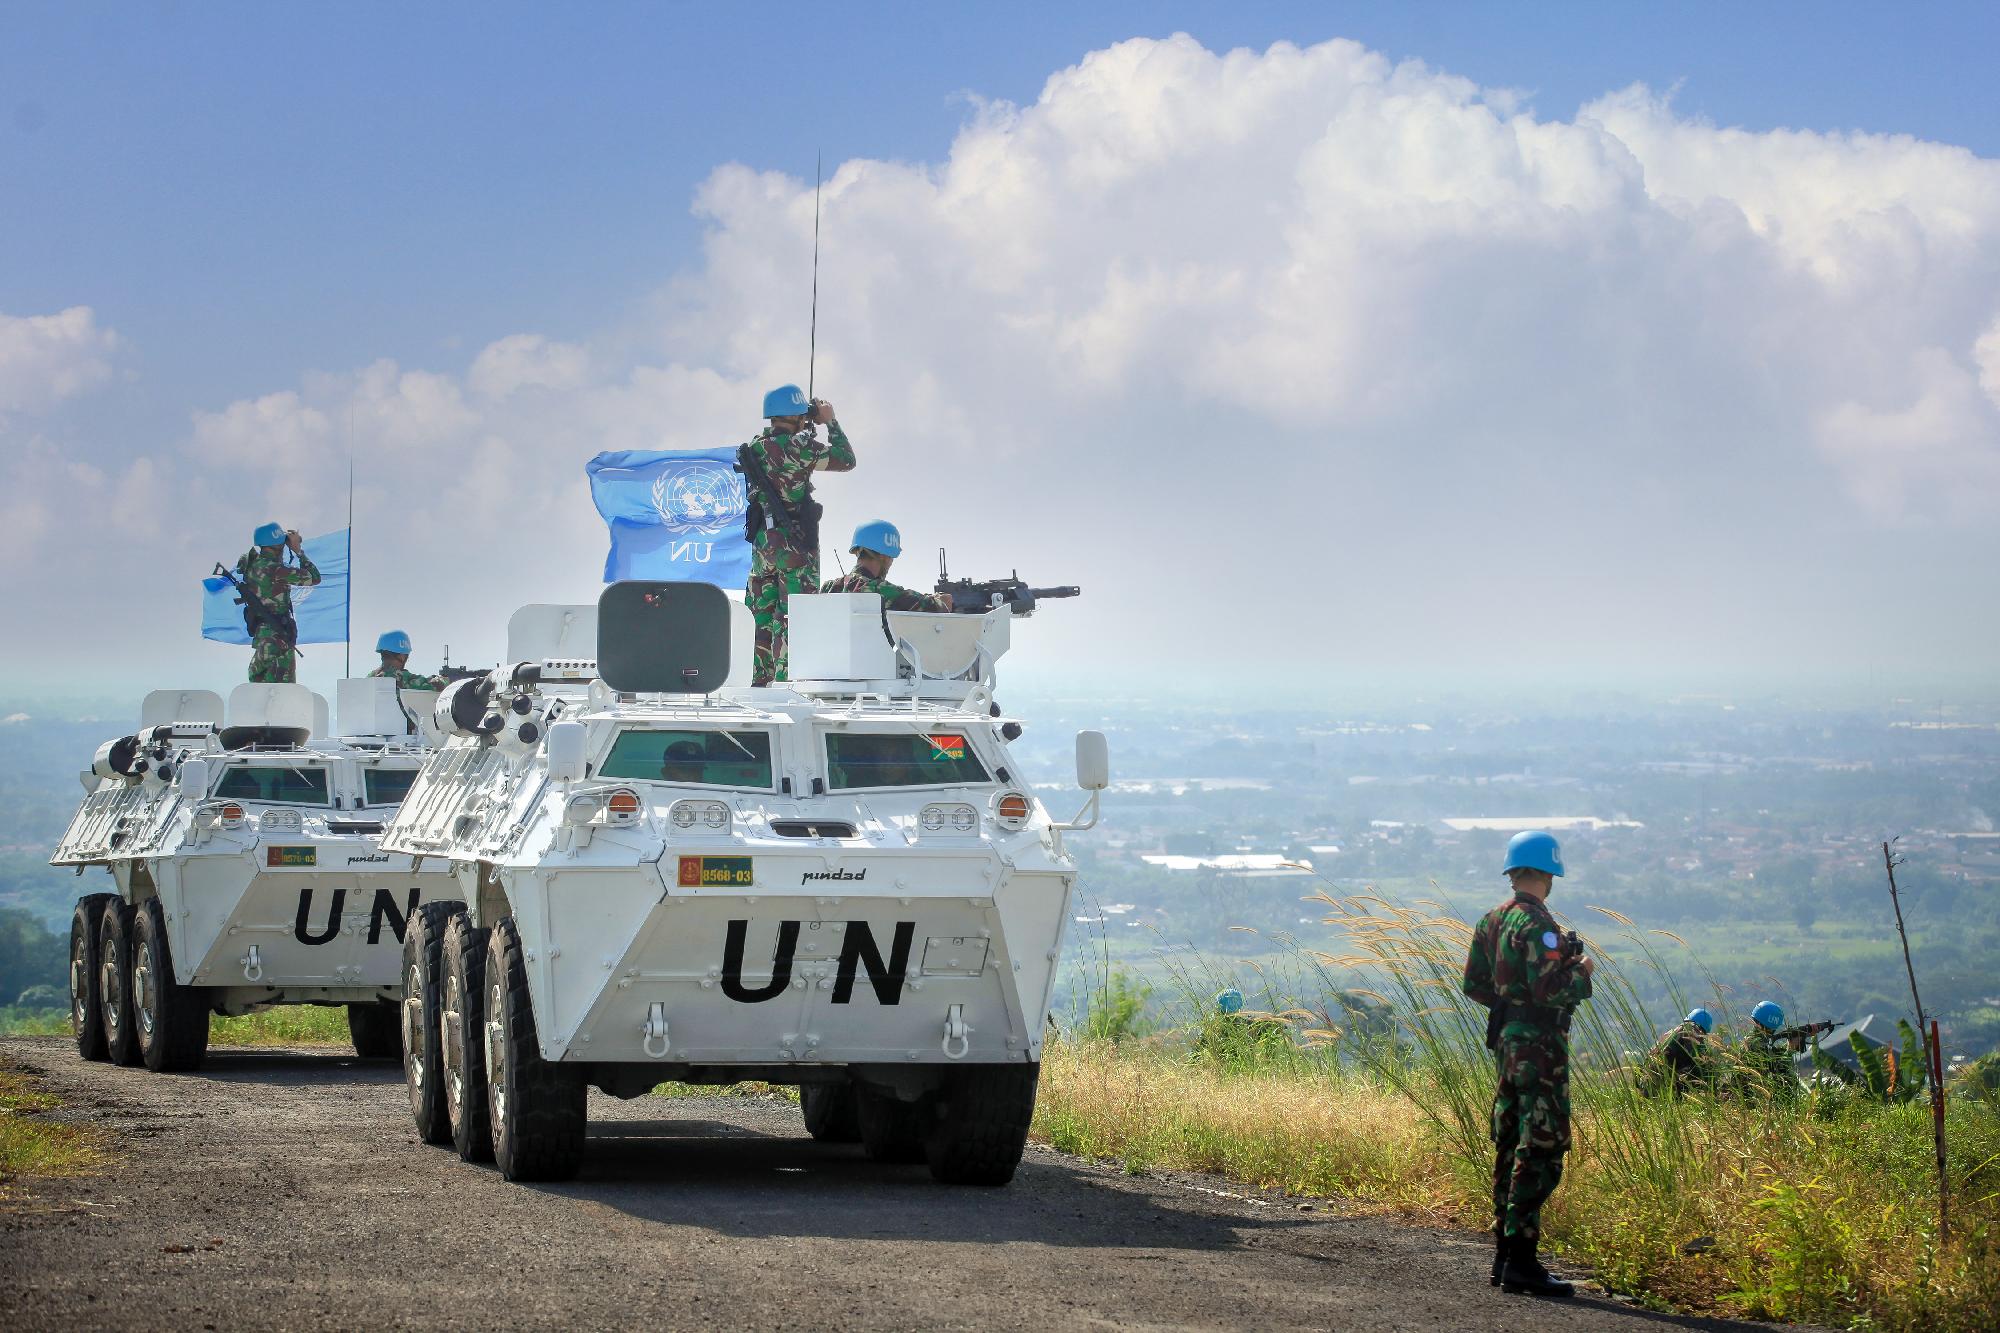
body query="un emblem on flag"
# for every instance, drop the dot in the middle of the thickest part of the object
(700, 496)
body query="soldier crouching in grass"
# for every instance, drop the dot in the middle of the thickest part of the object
(1531, 976)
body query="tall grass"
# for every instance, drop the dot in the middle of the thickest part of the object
(1377, 1087)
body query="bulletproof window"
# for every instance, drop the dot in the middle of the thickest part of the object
(702, 758)
(901, 759)
(280, 786)
(387, 786)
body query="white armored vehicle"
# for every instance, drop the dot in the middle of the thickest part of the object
(842, 883)
(243, 849)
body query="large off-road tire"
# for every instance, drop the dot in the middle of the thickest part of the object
(462, 1028)
(114, 983)
(376, 1029)
(831, 1112)
(981, 1124)
(423, 1035)
(86, 995)
(537, 1107)
(891, 1131)
(169, 1020)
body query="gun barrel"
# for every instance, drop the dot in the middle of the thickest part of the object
(1067, 590)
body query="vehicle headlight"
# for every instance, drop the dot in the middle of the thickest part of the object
(581, 809)
(279, 821)
(952, 816)
(710, 815)
(623, 807)
(221, 814)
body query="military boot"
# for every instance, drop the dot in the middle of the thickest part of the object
(1499, 1251)
(1523, 1274)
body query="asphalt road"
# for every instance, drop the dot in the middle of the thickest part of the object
(286, 1189)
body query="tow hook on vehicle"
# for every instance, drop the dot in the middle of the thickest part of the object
(253, 966)
(655, 1031)
(955, 1031)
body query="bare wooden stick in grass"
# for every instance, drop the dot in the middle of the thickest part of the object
(1933, 1056)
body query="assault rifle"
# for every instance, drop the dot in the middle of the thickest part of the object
(256, 614)
(1801, 1036)
(970, 598)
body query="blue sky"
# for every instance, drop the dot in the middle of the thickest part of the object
(1235, 315)
(243, 190)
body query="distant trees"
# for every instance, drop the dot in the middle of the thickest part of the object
(31, 957)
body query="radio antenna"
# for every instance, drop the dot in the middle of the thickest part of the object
(812, 337)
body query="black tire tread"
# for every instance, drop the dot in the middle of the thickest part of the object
(546, 1103)
(982, 1124)
(121, 1042)
(84, 924)
(375, 1029)
(891, 1130)
(180, 1029)
(423, 944)
(832, 1112)
(465, 956)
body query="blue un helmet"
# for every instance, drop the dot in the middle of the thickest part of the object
(270, 534)
(877, 535)
(1534, 850)
(787, 400)
(395, 641)
(1768, 1015)
(1229, 1001)
(1702, 1019)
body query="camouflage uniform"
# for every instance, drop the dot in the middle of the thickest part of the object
(893, 597)
(410, 680)
(1683, 1056)
(264, 573)
(1516, 961)
(780, 562)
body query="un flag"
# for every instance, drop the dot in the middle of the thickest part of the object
(674, 515)
(320, 609)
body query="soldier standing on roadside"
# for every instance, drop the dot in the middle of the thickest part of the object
(265, 578)
(783, 517)
(1523, 968)
(876, 546)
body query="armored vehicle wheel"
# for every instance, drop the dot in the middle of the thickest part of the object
(982, 1124)
(462, 1031)
(114, 983)
(891, 1131)
(537, 1107)
(169, 1020)
(376, 1029)
(831, 1113)
(86, 997)
(423, 1040)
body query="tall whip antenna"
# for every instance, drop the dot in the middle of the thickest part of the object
(812, 343)
(348, 629)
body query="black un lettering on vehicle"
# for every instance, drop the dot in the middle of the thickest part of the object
(383, 909)
(858, 950)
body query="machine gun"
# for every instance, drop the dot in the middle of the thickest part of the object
(256, 614)
(971, 598)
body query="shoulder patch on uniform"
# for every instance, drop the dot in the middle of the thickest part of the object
(1550, 940)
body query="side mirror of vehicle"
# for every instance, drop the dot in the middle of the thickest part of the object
(194, 779)
(1093, 761)
(566, 749)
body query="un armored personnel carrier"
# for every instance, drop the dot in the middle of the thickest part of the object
(843, 883)
(242, 846)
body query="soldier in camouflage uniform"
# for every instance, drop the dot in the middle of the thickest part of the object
(266, 577)
(1683, 1056)
(876, 546)
(784, 557)
(1522, 968)
(395, 649)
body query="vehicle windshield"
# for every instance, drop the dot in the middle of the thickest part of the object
(387, 786)
(703, 758)
(279, 786)
(901, 759)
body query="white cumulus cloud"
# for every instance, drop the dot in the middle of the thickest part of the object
(47, 358)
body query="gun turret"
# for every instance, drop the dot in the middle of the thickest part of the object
(970, 597)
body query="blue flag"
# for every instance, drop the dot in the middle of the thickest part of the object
(675, 515)
(320, 609)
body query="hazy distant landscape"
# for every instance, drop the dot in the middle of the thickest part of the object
(1750, 829)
